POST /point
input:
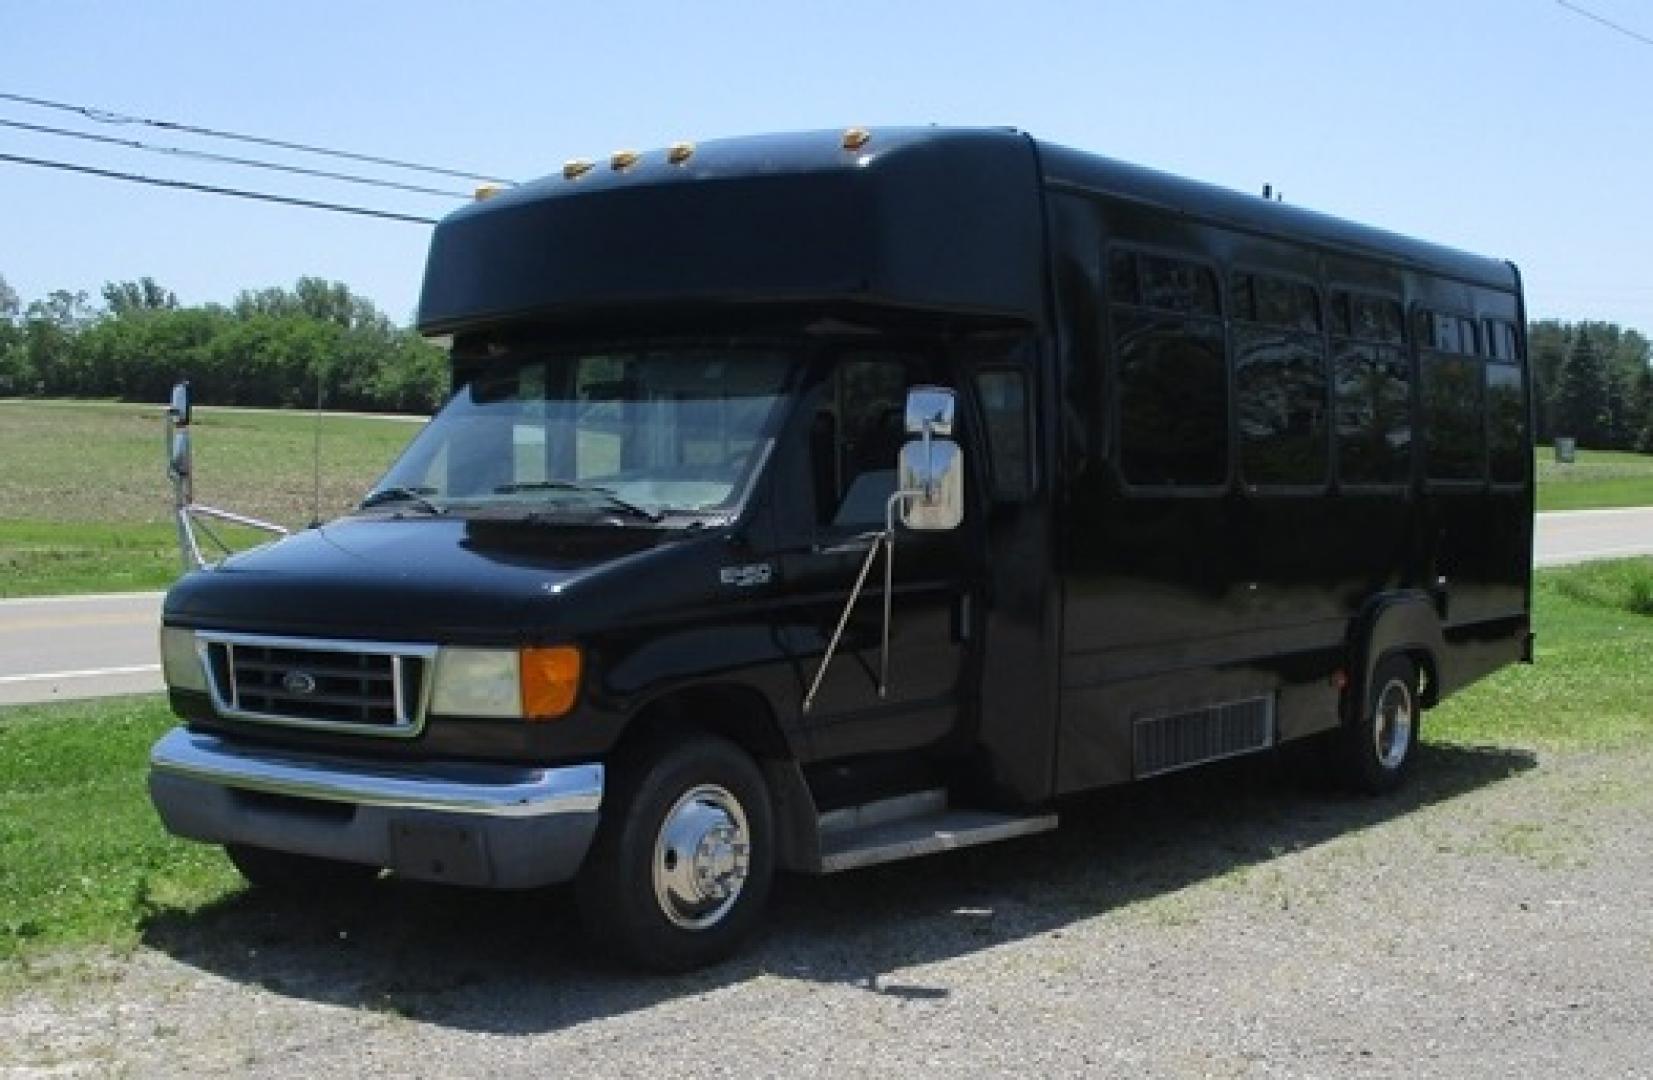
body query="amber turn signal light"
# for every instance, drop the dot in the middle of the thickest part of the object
(550, 681)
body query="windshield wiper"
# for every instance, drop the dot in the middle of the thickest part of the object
(416, 496)
(608, 497)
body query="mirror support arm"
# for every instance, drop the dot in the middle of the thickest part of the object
(184, 507)
(884, 541)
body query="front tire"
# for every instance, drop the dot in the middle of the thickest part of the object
(683, 860)
(1379, 746)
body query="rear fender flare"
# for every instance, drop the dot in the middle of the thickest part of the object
(1405, 622)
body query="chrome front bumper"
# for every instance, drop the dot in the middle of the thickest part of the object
(502, 826)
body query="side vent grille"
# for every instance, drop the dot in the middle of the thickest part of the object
(1167, 743)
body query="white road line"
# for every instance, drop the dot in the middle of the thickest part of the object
(80, 598)
(89, 673)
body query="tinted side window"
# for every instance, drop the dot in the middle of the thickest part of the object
(1374, 413)
(1506, 424)
(1468, 339)
(1377, 319)
(1176, 285)
(1451, 395)
(1289, 304)
(1280, 384)
(1003, 394)
(1372, 392)
(1506, 404)
(1453, 436)
(1173, 400)
(1500, 338)
(1172, 385)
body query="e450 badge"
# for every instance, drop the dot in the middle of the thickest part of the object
(746, 576)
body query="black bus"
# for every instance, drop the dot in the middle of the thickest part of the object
(810, 501)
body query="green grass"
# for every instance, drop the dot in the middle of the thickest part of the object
(85, 505)
(1592, 686)
(83, 859)
(1598, 478)
(43, 558)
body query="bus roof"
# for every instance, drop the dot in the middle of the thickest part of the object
(1076, 170)
(926, 218)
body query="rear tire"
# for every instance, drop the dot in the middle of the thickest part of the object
(683, 860)
(285, 872)
(1378, 747)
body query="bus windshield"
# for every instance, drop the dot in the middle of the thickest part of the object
(652, 431)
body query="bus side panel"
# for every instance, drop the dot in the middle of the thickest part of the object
(1177, 601)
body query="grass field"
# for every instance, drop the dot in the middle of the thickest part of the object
(85, 504)
(83, 860)
(1599, 478)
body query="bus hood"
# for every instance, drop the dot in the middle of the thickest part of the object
(416, 580)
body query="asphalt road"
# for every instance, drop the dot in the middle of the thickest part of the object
(60, 648)
(1583, 535)
(65, 647)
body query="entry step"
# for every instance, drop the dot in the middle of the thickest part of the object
(909, 826)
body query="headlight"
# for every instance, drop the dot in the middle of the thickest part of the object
(180, 661)
(530, 684)
(477, 682)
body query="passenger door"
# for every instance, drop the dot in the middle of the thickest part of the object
(853, 430)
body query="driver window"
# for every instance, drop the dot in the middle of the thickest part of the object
(855, 437)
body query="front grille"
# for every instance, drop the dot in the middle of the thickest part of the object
(374, 688)
(1166, 743)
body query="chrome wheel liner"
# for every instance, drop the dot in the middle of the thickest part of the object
(702, 856)
(1394, 724)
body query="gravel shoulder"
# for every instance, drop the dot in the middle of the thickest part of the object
(1492, 920)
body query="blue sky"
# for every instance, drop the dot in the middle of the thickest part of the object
(1513, 128)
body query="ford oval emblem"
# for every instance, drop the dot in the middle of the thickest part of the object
(300, 683)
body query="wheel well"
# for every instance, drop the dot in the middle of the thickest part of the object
(1424, 661)
(741, 715)
(737, 713)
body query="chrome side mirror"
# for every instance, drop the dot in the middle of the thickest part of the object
(178, 457)
(930, 411)
(933, 471)
(179, 407)
(181, 460)
(930, 472)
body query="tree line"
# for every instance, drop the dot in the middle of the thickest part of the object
(1591, 380)
(270, 347)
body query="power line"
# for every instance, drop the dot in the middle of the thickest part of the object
(211, 189)
(104, 116)
(251, 163)
(1610, 24)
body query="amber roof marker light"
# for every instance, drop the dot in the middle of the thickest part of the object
(573, 170)
(487, 191)
(679, 152)
(855, 138)
(621, 160)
